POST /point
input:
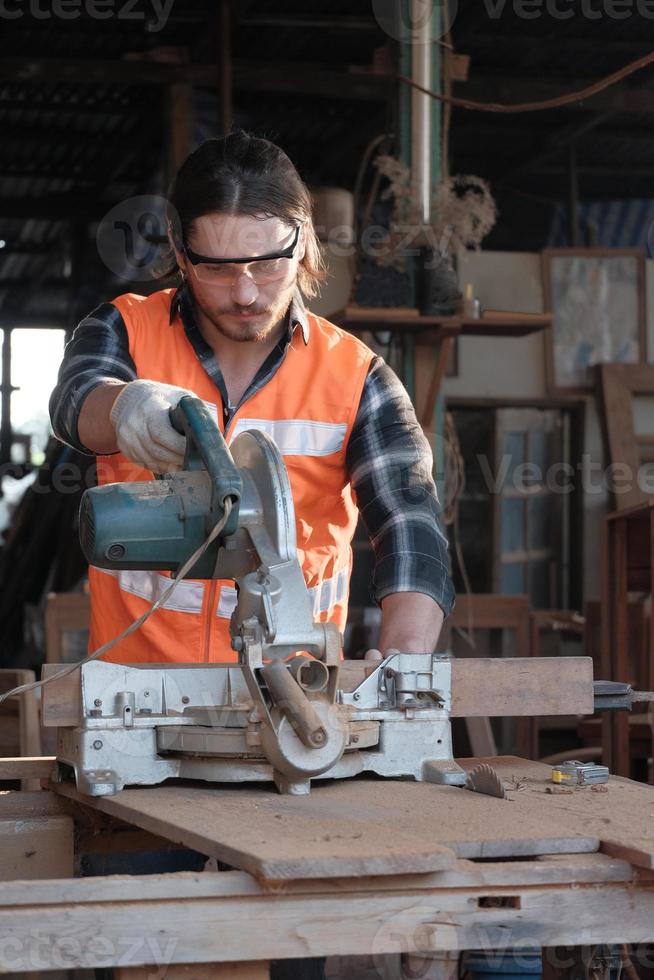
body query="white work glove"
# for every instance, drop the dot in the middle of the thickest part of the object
(144, 433)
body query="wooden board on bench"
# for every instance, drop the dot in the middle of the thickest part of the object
(374, 826)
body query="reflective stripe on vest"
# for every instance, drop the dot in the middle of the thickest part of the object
(298, 437)
(189, 594)
(332, 592)
(293, 437)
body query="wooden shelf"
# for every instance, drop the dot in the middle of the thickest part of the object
(493, 323)
(438, 332)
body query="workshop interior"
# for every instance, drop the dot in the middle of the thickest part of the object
(326, 489)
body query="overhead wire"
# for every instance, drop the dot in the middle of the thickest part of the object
(543, 105)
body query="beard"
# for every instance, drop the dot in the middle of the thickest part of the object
(224, 319)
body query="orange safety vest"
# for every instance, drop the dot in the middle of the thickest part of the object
(308, 407)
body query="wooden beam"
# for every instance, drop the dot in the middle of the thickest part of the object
(180, 125)
(505, 687)
(345, 24)
(184, 924)
(225, 79)
(617, 384)
(36, 322)
(278, 837)
(16, 805)
(197, 971)
(27, 767)
(41, 848)
(438, 371)
(53, 206)
(546, 869)
(94, 71)
(363, 86)
(522, 686)
(247, 76)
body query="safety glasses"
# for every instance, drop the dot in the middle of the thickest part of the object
(261, 268)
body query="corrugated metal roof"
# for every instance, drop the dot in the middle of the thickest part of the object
(93, 145)
(104, 142)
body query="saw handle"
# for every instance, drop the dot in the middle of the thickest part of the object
(206, 449)
(288, 696)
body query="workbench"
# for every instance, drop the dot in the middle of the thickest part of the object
(360, 867)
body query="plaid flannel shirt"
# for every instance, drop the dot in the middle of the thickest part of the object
(388, 457)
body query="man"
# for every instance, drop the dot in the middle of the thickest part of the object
(236, 334)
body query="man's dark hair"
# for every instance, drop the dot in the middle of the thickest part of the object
(243, 174)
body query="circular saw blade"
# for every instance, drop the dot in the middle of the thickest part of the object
(484, 779)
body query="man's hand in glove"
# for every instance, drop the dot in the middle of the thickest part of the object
(144, 432)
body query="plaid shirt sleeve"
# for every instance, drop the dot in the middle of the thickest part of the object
(390, 466)
(98, 351)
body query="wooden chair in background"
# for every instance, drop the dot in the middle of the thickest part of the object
(20, 732)
(636, 725)
(65, 612)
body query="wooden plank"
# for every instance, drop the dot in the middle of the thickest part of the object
(511, 686)
(39, 803)
(437, 372)
(518, 686)
(28, 727)
(197, 971)
(616, 644)
(180, 123)
(638, 852)
(549, 869)
(491, 611)
(352, 672)
(61, 703)
(41, 848)
(115, 838)
(25, 767)
(136, 930)
(273, 836)
(328, 833)
(617, 384)
(291, 837)
(64, 611)
(619, 812)
(646, 649)
(481, 736)
(495, 323)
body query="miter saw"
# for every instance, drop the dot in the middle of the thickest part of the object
(287, 711)
(279, 713)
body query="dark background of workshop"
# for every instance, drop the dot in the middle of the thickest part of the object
(95, 115)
